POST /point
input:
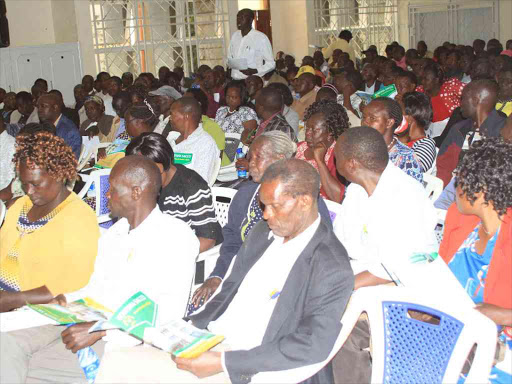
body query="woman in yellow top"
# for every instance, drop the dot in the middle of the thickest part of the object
(49, 240)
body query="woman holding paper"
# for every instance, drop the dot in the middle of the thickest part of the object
(477, 241)
(43, 250)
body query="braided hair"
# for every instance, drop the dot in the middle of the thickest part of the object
(393, 110)
(336, 118)
(144, 112)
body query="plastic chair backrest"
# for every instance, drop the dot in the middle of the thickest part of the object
(465, 325)
(215, 172)
(404, 357)
(407, 350)
(433, 186)
(3, 211)
(221, 200)
(100, 179)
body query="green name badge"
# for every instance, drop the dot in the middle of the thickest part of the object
(183, 158)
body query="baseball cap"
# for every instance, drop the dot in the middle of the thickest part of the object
(167, 91)
(371, 48)
(305, 69)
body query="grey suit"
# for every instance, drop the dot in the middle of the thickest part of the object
(306, 319)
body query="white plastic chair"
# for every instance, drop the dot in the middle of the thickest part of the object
(3, 211)
(221, 200)
(215, 172)
(100, 179)
(433, 186)
(406, 350)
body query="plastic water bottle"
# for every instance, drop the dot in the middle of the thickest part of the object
(242, 173)
(89, 362)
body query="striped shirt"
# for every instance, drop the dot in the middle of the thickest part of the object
(189, 198)
(425, 152)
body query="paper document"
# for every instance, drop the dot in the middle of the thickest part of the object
(240, 64)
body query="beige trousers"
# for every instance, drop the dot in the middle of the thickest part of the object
(146, 364)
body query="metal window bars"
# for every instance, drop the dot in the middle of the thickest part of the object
(143, 35)
(370, 21)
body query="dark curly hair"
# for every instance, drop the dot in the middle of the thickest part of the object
(335, 116)
(487, 167)
(45, 150)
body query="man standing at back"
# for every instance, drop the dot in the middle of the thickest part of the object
(50, 111)
(251, 45)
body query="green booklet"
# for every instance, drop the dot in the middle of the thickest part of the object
(389, 91)
(134, 316)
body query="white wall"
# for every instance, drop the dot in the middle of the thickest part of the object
(30, 22)
(290, 27)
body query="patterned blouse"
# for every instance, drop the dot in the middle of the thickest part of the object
(403, 157)
(447, 100)
(234, 123)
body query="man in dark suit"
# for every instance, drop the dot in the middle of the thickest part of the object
(49, 110)
(294, 325)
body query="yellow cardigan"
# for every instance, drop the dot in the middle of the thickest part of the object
(61, 254)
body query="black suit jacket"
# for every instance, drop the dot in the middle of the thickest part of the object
(306, 319)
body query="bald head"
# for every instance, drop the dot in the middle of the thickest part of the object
(140, 172)
(297, 177)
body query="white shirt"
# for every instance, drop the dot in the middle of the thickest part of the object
(381, 231)
(203, 148)
(245, 321)
(156, 258)
(162, 124)
(256, 48)
(7, 150)
(370, 89)
(107, 100)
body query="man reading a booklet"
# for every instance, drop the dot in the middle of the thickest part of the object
(146, 250)
(280, 306)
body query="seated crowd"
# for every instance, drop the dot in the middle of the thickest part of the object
(363, 136)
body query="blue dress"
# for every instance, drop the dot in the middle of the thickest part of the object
(471, 269)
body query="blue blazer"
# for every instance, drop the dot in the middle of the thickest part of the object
(68, 131)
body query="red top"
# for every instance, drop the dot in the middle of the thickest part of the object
(499, 277)
(447, 100)
(329, 161)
